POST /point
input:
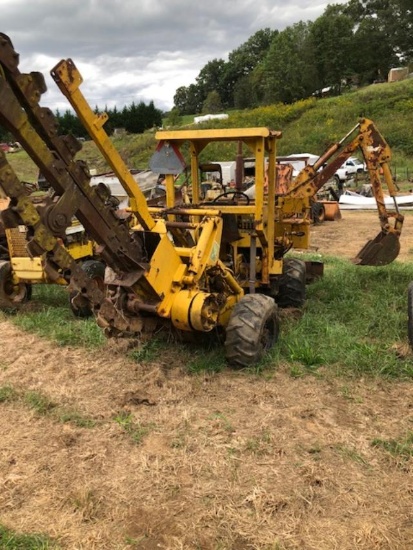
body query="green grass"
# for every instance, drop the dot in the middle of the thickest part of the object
(52, 318)
(39, 402)
(10, 540)
(352, 319)
(149, 351)
(135, 430)
(308, 126)
(44, 406)
(402, 448)
(207, 360)
(353, 324)
(7, 393)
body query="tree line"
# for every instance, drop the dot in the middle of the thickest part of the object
(134, 118)
(349, 45)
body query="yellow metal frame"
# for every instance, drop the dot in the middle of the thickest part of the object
(175, 284)
(261, 142)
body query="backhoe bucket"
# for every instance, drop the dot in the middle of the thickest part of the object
(379, 251)
(332, 211)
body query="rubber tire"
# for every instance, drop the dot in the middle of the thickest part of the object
(95, 270)
(252, 330)
(9, 296)
(410, 314)
(318, 214)
(291, 288)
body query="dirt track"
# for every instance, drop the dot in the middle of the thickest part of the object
(225, 461)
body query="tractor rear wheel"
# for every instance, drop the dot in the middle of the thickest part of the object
(80, 306)
(12, 294)
(410, 313)
(252, 330)
(291, 288)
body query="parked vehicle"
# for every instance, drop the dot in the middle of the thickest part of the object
(349, 169)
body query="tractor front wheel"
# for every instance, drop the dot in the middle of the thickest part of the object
(252, 330)
(12, 294)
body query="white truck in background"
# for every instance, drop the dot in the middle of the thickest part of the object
(348, 170)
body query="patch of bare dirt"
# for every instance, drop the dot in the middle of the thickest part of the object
(228, 461)
(347, 236)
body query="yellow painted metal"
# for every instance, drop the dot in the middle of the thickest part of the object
(203, 312)
(194, 310)
(206, 251)
(80, 250)
(211, 210)
(28, 269)
(226, 309)
(170, 192)
(68, 78)
(295, 230)
(231, 281)
(163, 267)
(222, 134)
(277, 267)
(180, 309)
(270, 209)
(194, 151)
(16, 241)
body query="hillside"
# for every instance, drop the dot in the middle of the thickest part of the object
(308, 126)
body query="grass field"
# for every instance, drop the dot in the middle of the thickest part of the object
(160, 445)
(351, 318)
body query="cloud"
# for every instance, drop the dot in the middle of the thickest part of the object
(138, 51)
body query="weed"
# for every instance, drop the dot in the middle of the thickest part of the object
(350, 453)
(297, 371)
(207, 361)
(10, 540)
(134, 429)
(305, 353)
(39, 402)
(261, 444)
(315, 449)
(86, 503)
(346, 393)
(136, 543)
(222, 421)
(75, 418)
(46, 407)
(7, 393)
(401, 449)
(148, 351)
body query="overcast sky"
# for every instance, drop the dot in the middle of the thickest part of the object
(138, 50)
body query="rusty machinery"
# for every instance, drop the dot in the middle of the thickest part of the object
(208, 266)
(365, 138)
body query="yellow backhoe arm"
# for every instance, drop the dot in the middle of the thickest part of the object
(385, 247)
(68, 79)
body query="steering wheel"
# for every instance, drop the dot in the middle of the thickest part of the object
(233, 193)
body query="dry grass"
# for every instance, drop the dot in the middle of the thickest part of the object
(215, 461)
(227, 461)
